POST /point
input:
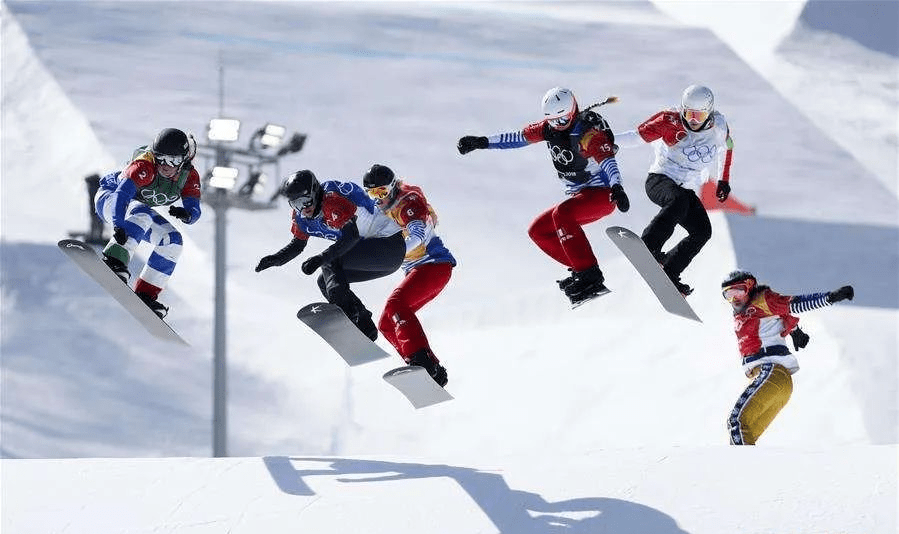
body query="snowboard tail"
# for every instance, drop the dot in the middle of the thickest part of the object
(417, 386)
(89, 262)
(332, 325)
(642, 259)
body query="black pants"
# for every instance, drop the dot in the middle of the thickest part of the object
(679, 206)
(369, 259)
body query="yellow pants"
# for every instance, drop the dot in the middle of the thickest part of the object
(760, 403)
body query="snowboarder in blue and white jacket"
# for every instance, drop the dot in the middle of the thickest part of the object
(158, 175)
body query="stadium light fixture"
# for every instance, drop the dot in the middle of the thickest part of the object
(271, 135)
(223, 130)
(294, 144)
(254, 184)
(223, 178)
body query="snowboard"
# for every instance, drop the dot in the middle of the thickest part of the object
(332, 325)
(92, 265)
(591, 298)
(417, 386)
(641, 258)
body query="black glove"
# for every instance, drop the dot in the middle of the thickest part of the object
(471, 142)
(800, 338)
(619, 197)
(179, 213)
(845, 292)
(723, 190)
(310, 265)
(269, 261)
(120, 235)
(289, 252)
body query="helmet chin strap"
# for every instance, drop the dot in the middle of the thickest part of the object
(317, 200)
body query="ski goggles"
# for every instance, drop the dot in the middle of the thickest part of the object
(695, 116)
(736, 293)
(380, 192)
(559, 122)
(300, 203)
(169, 159)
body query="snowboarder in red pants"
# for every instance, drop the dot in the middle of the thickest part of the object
(582, 148)
(428, 266)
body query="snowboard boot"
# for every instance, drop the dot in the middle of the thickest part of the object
(363, 321)
(684, 289)
(660, 257)
(118, 267)
(567, 281)
(587, 284)
(359, 315)
(424, 358)
(158, 308)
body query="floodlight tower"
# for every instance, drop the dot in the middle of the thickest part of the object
(221, 194)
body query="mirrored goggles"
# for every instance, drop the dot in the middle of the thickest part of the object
(559, 122)
(300, 203)
(169, 159)
(735, 293)
(694, 116)
(381, 192)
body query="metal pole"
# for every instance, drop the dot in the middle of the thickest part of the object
(219, 363)
(220, 369)
(221, 84)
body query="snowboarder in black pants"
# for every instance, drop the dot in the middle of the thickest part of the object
(692, 144)
(679, 206)
(367, 243)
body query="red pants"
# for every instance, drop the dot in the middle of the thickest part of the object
(398, 323)
(557, 231)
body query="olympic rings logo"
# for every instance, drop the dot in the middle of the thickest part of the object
(322, 234)
(703, 153)
(157, 198)
(561, 155)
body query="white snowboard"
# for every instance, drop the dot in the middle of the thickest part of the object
(89, 262)
(329, 322)
(417, 386)
(636, 252)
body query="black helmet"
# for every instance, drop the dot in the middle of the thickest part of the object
(377, 176)
(380, 184)
(173, 147)
(303, 192)
(735, 277)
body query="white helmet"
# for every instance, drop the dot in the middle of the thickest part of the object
(697, 103)
(559, 107)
